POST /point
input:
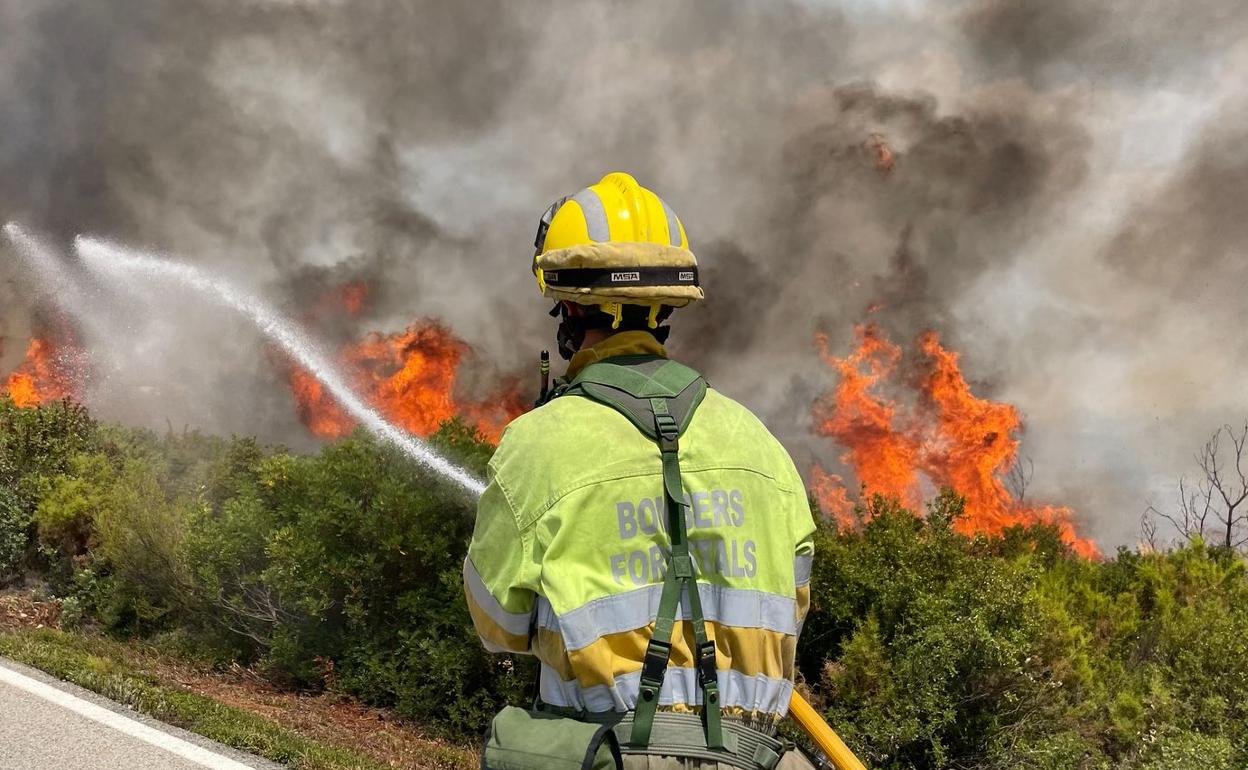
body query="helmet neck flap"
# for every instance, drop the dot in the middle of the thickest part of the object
(576, 320)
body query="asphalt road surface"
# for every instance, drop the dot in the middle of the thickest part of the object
(46, 724)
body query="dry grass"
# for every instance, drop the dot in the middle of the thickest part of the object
(327, 717)
(18, 609)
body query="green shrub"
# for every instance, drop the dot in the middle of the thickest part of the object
(933, 645)
(15, 526)
(140, 535)
(35, 446)
(936, 650)
(343, 569)
(71, 500)
(372, 545)
(38, 443)
(1192, 751)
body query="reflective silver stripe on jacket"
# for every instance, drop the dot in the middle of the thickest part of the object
(630, 610)
(516, 623)
(680, 685)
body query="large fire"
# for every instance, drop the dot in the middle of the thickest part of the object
(949, 437)
(41, 377)
(410, 377)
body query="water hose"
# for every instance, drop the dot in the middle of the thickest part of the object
(822, 734)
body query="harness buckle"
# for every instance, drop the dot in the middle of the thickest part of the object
(667, 427)
(654, 665)
(706, 663)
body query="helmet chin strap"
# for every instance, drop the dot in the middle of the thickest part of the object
(574, 324)
(572, 328)
(571, 336)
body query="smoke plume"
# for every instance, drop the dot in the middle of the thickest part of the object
(1060, 205)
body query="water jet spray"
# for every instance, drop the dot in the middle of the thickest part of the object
(105, 257)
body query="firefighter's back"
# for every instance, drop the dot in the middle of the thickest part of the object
(585, 488)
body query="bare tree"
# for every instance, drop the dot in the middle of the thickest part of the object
(1216, 507)
(1148, 531)
(1019, 477)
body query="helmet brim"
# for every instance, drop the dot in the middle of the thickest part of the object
(624, 257)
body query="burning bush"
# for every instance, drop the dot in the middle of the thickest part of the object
(411, 377)
(52, 368)
(950, 438)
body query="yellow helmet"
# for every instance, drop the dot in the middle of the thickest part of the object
(615, 243)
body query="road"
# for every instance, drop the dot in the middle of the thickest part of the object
(46, 724)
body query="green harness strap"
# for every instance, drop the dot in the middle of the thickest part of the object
(659, 397)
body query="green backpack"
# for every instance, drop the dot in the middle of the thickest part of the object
(535, 740)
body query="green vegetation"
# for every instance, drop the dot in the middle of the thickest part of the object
(340, 570)
(935, 650)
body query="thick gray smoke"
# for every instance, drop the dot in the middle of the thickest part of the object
(1062, 208)
(1157, 42)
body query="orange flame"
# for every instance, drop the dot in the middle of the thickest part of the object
(317, 409)
(884, 459)
(410, 377)
(41, 377)
(951, 438)
(829, 489)
(881, 154)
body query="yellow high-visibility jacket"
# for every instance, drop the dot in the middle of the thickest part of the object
(567, 558)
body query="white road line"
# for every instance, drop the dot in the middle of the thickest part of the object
(122, 724)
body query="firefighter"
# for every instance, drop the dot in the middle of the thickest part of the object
(643, 535)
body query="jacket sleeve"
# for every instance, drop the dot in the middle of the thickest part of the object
(803, 529)
(500, 575)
